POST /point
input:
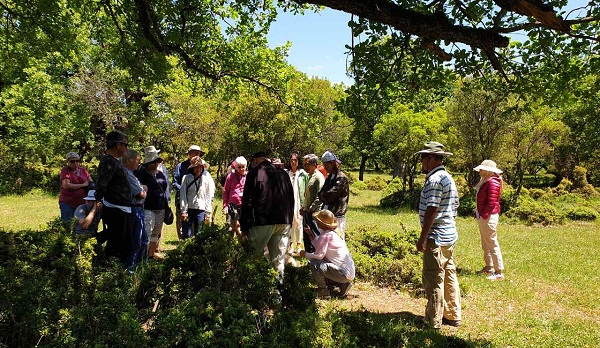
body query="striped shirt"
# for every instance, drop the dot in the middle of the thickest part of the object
(440, 191)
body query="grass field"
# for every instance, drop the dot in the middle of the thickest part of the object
(549, 297)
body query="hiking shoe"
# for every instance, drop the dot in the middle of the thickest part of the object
(323, 294)
(345, 289)
(453, 323)
(495, 276)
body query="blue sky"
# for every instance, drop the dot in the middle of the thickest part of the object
(318, 42)
(319, 39)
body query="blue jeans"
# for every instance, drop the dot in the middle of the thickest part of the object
(66, 211)
(194, 223)
(139, 239)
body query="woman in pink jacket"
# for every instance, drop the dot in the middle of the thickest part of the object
(233, 191)
(489, 191)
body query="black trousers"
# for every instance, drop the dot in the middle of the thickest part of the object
(118, 233)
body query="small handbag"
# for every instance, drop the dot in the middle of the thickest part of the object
(169, 216)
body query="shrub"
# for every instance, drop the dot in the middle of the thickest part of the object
(587, 191)
(536, 193)
(534, 212)
(579, 177)
(351, 178)
(563, 187)
(463, 187)
(468, 205)
(394, 195)
(582, 213)
(386, 258)
(376, 183)
(357, 186)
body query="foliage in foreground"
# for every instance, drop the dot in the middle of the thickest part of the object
(209, 292)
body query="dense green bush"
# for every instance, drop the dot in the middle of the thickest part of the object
(395, 195)
(582, 213)
(386, 258)
(54, 293)
(358, 186)
(536, 193)
(376, 183)
(535, 212)
(579, 177)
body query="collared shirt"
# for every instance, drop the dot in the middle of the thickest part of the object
(440, 191)
(136, 187)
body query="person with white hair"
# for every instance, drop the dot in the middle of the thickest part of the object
(196, 192)
(233, 191)
(489, 192)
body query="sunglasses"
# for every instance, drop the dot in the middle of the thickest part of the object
(74, 161)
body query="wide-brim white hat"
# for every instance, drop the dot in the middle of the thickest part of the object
(151, 154)
(489, 166)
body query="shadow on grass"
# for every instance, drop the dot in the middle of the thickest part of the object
(400, 329)
(366, 329)
(375, 209)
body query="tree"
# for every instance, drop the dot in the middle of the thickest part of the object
(481, 118)
(532, 138)
(481, 25)
(402, 132)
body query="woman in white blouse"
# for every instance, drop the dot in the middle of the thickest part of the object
(197, 191)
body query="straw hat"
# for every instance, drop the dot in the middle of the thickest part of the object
(488, 165)
(325, 219)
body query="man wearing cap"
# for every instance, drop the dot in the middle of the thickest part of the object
(335, 191)
(438, 205)
(88, 215)
(114, 191)
(331, 261)
(311, 202)
(180, 171)
(267, 209)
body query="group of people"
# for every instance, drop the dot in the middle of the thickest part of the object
(438, 206)
(132, 197)
(283, 211)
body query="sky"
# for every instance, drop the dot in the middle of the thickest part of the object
(319, 40)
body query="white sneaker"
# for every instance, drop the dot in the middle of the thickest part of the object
(495, 276)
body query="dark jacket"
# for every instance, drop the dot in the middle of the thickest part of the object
(113, 182)
(488, 197)
(268, 197)
(156, 197)
(335, 193)
(180, 171)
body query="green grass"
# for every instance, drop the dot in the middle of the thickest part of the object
(549, 297)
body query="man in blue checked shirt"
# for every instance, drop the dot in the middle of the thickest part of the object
(437, 209)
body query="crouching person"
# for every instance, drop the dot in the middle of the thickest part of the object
(331, 263)
(88, 215)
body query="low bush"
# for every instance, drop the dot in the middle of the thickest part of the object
(386, 258)
(376, 183)
(358, 186)
(395, 195)
(534, 212)
(536, 193)
(582, 213)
